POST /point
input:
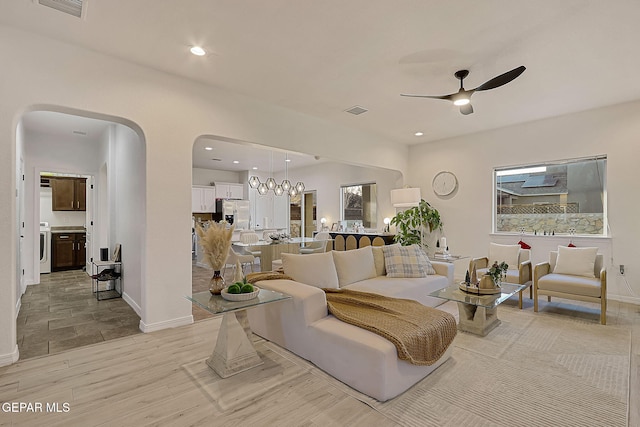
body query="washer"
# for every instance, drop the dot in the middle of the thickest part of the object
(45, 248)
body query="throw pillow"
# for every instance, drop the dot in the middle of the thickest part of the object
(311, 269)
(426, 262)
(576, 261)
(403, 261)
(378, 259)
(507, 253)
(354, 265)
(524, 245)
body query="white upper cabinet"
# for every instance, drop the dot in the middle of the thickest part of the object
(229, 191)
(203, 199)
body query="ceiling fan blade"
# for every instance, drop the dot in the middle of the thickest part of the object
(445, 97)
(466, 109)
(502, 79)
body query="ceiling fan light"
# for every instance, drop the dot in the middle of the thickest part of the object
(461, 101)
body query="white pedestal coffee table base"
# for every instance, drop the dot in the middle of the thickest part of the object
(234, 351)
(477, 320)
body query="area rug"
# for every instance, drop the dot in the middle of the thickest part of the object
(532, 370)
(240, 390)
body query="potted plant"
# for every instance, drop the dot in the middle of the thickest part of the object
(412, 224)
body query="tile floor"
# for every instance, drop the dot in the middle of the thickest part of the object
(62, 313)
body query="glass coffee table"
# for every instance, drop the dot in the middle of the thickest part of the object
(478, 313)
(234, 351)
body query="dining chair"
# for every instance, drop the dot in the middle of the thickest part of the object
(317, 246)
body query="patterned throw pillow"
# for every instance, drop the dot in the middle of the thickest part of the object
(406, 261)
(426, 262)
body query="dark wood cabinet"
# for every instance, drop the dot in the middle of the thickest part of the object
(68, 251)
(68, 194)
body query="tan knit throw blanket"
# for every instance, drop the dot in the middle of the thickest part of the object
(266, 275)
(421, 334)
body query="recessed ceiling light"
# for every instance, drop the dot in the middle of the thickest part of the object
(287, 160)
(197, 50)
(418, 134)
(255, 168)
(208, 148)
(235, 162)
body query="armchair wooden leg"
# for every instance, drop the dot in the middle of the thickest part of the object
(535, 300)
(548, 298)
(603, 311)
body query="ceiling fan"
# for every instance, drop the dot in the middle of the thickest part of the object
(462, 98)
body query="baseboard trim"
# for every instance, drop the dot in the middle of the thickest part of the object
(132, 304)
(173, 323)
(627, 299)
(11, 358)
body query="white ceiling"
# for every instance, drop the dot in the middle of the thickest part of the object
(322, 57)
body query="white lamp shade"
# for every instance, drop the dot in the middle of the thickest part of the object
(405, 197)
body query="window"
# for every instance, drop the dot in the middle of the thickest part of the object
(563, 197)
(358, 205)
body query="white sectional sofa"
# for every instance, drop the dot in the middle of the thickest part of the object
(355, 356)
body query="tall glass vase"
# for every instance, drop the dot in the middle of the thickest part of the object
(216, 284)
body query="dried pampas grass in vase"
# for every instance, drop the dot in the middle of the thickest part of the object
(215, 242)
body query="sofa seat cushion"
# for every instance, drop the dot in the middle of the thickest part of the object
(512, 276)
(415, 288)
(364, 360)
(575, 285)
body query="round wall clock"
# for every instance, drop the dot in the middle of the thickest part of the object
(444, 183)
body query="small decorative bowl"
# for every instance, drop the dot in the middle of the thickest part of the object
(240, 297)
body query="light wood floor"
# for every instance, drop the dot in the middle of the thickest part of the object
(160, 379)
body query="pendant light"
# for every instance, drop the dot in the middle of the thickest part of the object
(286, 184)
(254, 182)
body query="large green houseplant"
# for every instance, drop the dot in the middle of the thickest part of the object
(413, 224)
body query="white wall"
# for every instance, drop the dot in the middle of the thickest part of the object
(327, 178)
(129, 210)
(467, 214)
(207, 176)
(171, 113)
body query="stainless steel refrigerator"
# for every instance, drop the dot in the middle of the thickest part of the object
(237, 212)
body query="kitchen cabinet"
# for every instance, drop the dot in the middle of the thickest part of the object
(68, 194)
(68, 251)
(229, 191)
(203, 199)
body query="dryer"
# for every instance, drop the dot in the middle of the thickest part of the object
(45, 248)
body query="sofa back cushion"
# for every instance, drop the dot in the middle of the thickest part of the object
(311, 269)
(406, 261)
(378, 259)
(507, 253)
(354, 265)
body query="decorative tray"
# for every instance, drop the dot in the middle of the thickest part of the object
(473, 289)
(240, 297)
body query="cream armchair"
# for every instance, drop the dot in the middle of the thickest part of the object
(519, 272)
(571, 286)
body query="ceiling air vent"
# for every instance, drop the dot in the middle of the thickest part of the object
(70, 7)
(356, 110)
